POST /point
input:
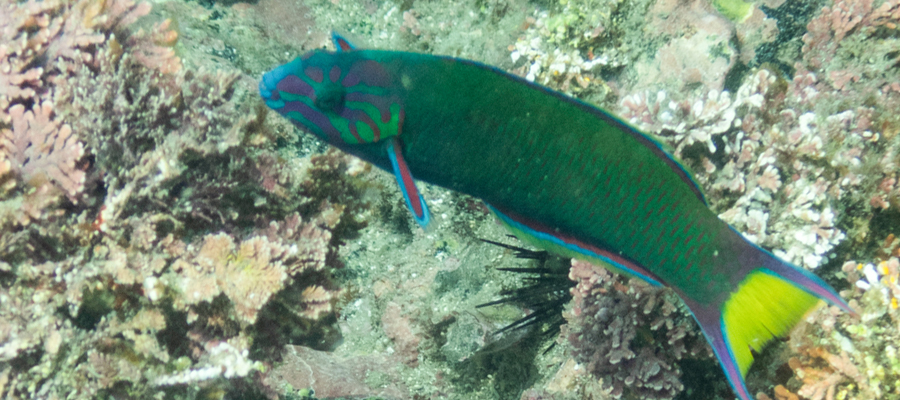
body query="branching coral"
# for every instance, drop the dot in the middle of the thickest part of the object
(146, 219)
(688, 122)
(43, 45)
(630, 335)
(40, 145)
(42, 152)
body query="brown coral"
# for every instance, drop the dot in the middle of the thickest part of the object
(137, 285)
(248, 273)
(821, 383)
(610, 313)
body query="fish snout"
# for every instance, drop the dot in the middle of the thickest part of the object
(269, 82)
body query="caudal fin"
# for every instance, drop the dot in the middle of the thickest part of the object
(766, 304)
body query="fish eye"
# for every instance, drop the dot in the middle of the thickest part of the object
(331, 98)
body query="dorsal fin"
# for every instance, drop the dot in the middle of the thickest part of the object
(341, 43)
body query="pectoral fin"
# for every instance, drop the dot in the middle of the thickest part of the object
(414, 200)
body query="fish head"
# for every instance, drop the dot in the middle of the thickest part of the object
(342, 97)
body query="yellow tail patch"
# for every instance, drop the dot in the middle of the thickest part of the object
(763, 307)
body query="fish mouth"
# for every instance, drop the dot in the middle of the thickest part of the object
(269, 82)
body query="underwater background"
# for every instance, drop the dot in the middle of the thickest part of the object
(163, 236)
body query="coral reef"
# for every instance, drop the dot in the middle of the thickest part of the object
(802, 165)
(146, 223)
(610, 313)
(159, 237)
(843, 357)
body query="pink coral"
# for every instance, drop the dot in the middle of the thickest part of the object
(153, 49)
(69, 38)
(834, 24)
(23, 30)
(42, 149)
(46, 49)
(15, 84)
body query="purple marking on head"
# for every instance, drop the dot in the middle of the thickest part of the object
(293, 84)
(371, 73)
(380, 102)
(355, 134)
(314, 73)
(360, 116)
(314, 116)
(350, 80)
(335, 73)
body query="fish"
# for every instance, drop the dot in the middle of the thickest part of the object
(561, 174)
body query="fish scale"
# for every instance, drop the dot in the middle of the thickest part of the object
(560, 174)
(462, 164)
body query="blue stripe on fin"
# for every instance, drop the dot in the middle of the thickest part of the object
(718, 340)
(414, 200)
(806, 280)
(574, 246)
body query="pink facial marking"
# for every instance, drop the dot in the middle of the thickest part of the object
(385, 114)
(314, 73)
(355, 134)
(335, 73)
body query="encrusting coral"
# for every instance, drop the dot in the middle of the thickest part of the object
(145, 221)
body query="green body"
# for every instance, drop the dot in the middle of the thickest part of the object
(559, 162)
(563, 175)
